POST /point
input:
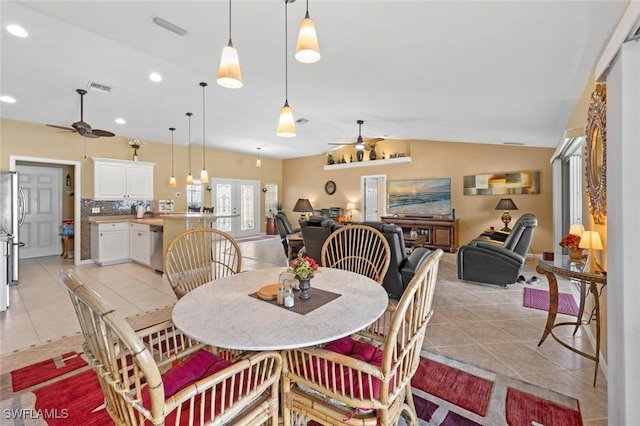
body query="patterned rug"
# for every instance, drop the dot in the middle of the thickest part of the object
(539, 299)
(449, 392)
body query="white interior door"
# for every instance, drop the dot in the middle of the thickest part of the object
(40, 230)
(374, 196)
(239, 198)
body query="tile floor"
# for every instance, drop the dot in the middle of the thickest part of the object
(480, 324)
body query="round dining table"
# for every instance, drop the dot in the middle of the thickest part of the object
(225, 312)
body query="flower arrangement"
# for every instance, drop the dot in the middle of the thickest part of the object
(303, 267)
(136, 144)
(571, 241)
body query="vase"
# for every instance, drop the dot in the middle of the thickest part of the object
(359, 155)
(575, 254)
(372, 154)
(304, 284)
(135, 155)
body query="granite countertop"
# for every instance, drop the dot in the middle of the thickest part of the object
(126, 219)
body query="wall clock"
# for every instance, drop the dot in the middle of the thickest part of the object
(330, 187)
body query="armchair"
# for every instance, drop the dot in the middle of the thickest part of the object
(402, 267)
(491, 261)
(315, 232)
(284, 229)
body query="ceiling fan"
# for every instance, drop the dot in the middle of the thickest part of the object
(81, 127)
(360, 143)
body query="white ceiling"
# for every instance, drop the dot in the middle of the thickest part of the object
(470, 71)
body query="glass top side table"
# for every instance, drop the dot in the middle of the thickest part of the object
(592, 283)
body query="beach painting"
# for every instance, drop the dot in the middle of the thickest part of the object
(420, 196)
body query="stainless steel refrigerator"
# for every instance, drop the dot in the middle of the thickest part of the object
(12, 215)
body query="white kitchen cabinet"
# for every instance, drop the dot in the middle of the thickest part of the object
(140, 243)
(110, 243)
(121, 179)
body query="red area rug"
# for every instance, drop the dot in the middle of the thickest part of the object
(41, 372)
(539, 299)
(524, 409)
(77, 400)
(447, 392)
(456, 386)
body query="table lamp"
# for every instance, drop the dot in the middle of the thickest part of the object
(576, 230)
(506, 204)
(350, 208)
(591, 240)
(303, 205)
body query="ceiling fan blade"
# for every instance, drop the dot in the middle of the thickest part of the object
(90, 135)
(61, 127)
(373, 140)
(102, 133)
(338, 143)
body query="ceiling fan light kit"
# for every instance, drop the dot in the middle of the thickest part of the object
(229, 74)
(361, 144)
(307, 48)
(286, 123)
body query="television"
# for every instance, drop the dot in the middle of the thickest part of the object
(420, 197)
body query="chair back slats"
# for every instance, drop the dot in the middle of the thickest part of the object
(129, 365)
(357, 248)
(353, 383)
(198, 256)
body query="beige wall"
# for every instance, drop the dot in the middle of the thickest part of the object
(36, 140)
(305, 178)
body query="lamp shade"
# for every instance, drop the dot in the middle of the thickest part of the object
(303, 205)
(590, 240)
(351, 206)
(576, 230)
(229, 74)
(506, 204)
(286, 125)
(307, 49)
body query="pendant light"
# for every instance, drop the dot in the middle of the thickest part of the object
(172, 181)
(204, 176)
(307, 48)
(258, 161)
(229, 74)
(286, 125)
(189, 176)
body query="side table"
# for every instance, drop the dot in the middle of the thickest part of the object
(590, 283)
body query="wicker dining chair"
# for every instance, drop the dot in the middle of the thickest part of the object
(198, 256)
(364, 381)
(357, 248)
(160, 376)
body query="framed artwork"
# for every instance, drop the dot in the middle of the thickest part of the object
(421, 197)
(511, 183)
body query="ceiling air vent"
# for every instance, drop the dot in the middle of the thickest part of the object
(302, 121)
(98, 87)
(169, 26)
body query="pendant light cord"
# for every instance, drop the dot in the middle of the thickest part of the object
(172, 129)
(230, 20)
(189, 141)
(286, 57)
(203, 125)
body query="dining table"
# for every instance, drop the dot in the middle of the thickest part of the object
(227, 313)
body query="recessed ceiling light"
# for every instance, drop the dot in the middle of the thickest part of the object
(154, 76)
(7, 99)
(17, 30)
(121, 121)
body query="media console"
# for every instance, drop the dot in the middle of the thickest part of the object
(440, 233)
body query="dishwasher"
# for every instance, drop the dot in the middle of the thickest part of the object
(157, 253)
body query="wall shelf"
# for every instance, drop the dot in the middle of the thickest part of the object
(368, 163)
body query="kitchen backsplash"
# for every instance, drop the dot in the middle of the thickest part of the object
(107, 208)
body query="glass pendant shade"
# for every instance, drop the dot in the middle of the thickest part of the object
(307, 48)
(286, 125)
(258, 163)
(189, 179)
(229, 74)
(204, 176)
(172, 181)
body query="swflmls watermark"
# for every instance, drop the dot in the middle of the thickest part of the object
(32, 413)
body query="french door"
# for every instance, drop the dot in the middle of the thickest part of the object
(240, 199)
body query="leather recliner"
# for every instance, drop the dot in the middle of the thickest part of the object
(491, 261)
(402, 267)
(284, 229)
(315, 232)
